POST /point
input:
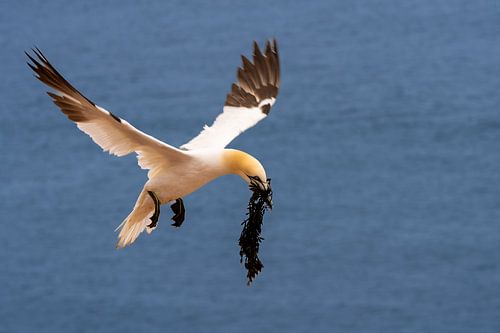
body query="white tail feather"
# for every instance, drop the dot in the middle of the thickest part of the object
(136, 221)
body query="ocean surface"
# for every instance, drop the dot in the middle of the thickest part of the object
(383, 149)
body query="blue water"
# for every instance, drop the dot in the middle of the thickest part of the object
(383, 149)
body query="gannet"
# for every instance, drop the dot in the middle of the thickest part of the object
(176, 172)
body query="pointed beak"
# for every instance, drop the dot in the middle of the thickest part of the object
(263, 191)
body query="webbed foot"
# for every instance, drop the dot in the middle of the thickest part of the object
(179, 211)
(156, 214)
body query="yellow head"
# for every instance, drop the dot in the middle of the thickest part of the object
(244, 165)
(250, 169)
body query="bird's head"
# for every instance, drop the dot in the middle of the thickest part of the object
(252, 172)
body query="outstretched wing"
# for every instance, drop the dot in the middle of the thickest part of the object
(249, 101)
(111, 133)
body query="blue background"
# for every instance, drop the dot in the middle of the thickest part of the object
(383, 149)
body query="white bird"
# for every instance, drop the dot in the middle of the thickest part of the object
(176, 172)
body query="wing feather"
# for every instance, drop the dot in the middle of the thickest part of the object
(249, 101)
(110, 132)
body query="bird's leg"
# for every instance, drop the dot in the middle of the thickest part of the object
(156, 214)
(179, 211)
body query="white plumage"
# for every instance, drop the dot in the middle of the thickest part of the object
(175, 173)
(228, 125)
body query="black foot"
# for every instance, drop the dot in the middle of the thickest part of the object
(179, 211)
(156, 215)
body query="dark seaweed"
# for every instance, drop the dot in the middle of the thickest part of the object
(250, 237)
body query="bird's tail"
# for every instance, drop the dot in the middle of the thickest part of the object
(136, 221)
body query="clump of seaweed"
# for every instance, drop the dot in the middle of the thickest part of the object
(250, 237)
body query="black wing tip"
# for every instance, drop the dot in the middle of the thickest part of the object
(36, 51)
(274, 44)
(270, 46)
(49, 75)
(39, 65)
(35, 65)
(33, 61)
(31, 66)
(39, 54)
(256, 49)
(257, 79)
